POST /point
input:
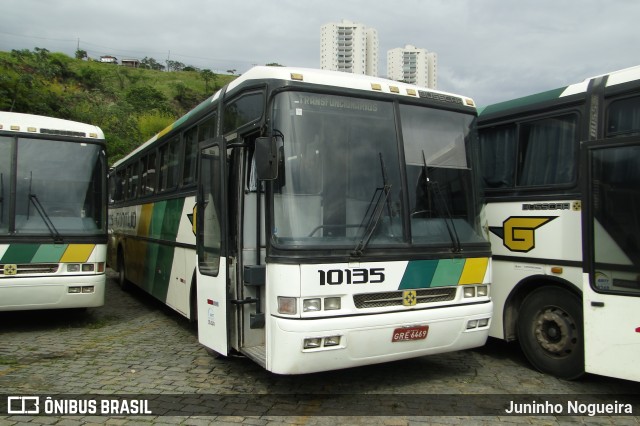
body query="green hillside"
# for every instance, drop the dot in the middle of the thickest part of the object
(130, 105)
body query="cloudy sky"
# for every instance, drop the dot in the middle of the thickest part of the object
(491, 50)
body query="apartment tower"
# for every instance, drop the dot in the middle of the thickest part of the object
(413, 65)
(349, 47)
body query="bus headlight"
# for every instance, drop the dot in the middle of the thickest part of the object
(332, 303)
(483, 291)
(73, 267)
(311, 305)
(469, 291)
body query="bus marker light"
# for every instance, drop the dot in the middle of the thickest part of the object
(638, 330)
(312, 343)
(311, 305)
(287, 305)
(297, 76)
(100, 266)
(556, 269)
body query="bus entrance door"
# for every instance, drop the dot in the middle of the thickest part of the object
(210, 229)
(611, 287)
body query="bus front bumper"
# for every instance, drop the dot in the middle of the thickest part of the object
(297, 346)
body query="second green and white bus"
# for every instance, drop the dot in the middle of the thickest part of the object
(53, 213)
(562, 181)
(312, 220)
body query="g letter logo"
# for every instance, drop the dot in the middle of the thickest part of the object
(518, 232)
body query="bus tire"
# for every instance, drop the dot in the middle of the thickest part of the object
(122, 278)
(550, 332)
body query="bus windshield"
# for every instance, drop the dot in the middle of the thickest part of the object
(58, 188)
(343, 182)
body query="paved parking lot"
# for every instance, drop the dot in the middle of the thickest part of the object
(135, 347)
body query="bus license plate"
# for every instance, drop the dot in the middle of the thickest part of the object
(405, 334)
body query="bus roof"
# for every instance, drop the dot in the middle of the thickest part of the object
(30, 123)
(614, 78)
(318, 77)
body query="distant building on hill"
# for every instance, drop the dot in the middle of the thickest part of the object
(130, 63)
(109, 59)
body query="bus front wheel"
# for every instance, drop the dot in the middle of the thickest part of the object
(550, 332)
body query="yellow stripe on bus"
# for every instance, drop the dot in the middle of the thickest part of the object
(77, 253)
(474, 271)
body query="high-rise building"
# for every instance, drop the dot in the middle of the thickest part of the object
(413, 65)
(349, 47)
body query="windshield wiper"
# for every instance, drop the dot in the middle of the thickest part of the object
(33, 198)
(441, 206)
(378, 201)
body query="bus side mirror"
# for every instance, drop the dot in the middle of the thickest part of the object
(266, 155)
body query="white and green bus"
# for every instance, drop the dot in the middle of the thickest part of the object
(312, 220)
(562, 181)
(53, 214)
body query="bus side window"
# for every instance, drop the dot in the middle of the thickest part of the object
(623, 117)
(169, 165)
(498, 152)
(548, 151)
(190, 157)
(149, 174)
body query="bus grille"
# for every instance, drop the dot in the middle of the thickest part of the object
(394, 298)
(10, 270)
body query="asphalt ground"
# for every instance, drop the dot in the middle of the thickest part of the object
(135, 361)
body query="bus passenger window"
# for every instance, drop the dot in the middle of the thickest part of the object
(623, 117)
(190, 156)
(497, 153)
(547, 154)
(149, 174)
(169, 165)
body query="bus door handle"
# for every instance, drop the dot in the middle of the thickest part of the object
(597, 304)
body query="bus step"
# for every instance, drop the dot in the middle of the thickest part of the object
(257, 354)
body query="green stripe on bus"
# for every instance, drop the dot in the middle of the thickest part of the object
(49, 253)
(165, 221)
(432, 273)
(418, 274)
(448, 272)
(20, 253)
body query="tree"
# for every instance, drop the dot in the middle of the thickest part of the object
(232, 71)
(274, 64)
(207, 76)
(151, 64)
(146, 98)
(81, 54)
(175, 66)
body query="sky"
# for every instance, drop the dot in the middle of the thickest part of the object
(490, 50)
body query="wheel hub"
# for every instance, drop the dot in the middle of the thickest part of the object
(554, 332)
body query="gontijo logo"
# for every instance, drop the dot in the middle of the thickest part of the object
(518, 232)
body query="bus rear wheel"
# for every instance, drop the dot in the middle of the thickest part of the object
(550, 332)
(122, 278)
